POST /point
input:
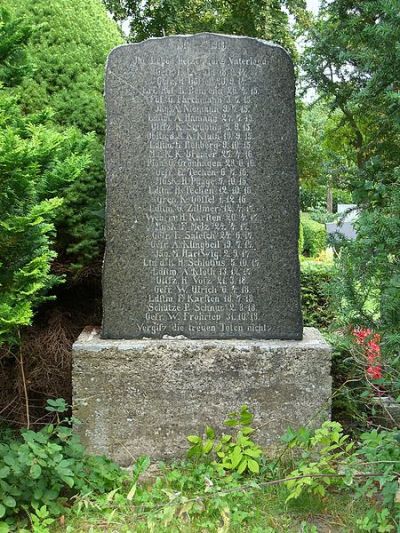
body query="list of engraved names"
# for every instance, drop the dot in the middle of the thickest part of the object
(200, 216)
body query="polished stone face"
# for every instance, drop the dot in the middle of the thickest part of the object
(202, 192)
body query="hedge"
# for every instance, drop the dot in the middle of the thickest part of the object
(315, 281)
(315, 237)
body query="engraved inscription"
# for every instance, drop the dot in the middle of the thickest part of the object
(200, 217)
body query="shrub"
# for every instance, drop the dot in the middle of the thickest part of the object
(312, 197)
(315, 280)
(13, 35)
(67, 48)
(368, 286)
(230, 452)
(38, 468)
(341, 196)
(328, 457)
(37, 161)
(315, 239)
(301, 238)
(366, 379)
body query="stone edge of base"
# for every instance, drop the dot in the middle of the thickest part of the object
(90, 341)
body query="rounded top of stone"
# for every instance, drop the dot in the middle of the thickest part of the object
(203, 35)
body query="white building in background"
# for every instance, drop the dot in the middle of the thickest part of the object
(348, 213)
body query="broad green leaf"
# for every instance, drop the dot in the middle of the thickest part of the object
(4, 527)
(252, 452)
(4, 472)
(208, 446)
(68, 480)
(253, 466)
(194, 439)
(194, 451)
(9, 501)
(242, 467)
(236, 456)
(35, 471)
(210, 432)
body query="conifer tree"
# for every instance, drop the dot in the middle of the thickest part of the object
(67, 49)
(36, 160)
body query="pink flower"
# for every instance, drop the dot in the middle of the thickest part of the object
(375, 372)
(361, 334)
(364, 337)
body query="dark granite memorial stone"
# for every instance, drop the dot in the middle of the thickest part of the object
(202, 195)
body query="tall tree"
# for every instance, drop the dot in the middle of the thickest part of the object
(267, 19)
(354, 61)
(325, 158)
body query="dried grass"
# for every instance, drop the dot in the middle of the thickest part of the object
(46, 353)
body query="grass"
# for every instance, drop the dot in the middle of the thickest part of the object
(185, 498)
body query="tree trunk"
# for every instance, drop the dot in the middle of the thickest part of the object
(329, 199)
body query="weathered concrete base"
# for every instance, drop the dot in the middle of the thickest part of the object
(139, 397)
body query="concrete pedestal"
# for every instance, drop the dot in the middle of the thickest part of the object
(139, 397)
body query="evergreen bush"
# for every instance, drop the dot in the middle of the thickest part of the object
(301, 238)
(365, 35)
(315, 285)
(35, 162)
(315, 238)
(68, 45)
(38, 162)
(67, 49)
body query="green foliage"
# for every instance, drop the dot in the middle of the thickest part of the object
(354, 60)
(255, 18)
(81, 218)
(313, 199)
(301, 238)
(322, 451)
(67, 46)
(315, 239)
(312, 196)
(360, 399)
(183, 496)
(368, 285)
(193, 495)
(315, 293)
(325, 156)
(37, 163)
(380, 450)
(13, 35)
(40, 519)
(328, 458)
(38, 470)
(231, 453)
